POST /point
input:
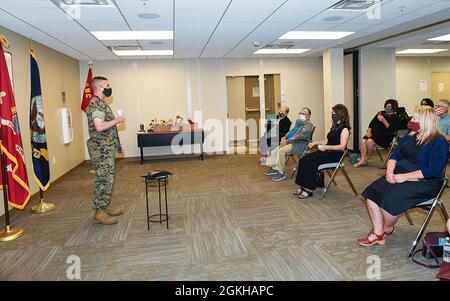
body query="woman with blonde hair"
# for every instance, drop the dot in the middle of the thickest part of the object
(410, 176)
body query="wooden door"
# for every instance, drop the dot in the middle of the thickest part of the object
(252, 102)
(440, 82)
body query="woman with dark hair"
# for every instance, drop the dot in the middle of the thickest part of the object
(427, 102)
(381, 131)
(330, 151)
(412, 177)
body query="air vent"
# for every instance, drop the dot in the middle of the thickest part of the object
(279, 46)
(65, 3)
(124, 47)
(355, 5)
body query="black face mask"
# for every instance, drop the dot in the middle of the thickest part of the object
(281, 115)
(107, 92)
(335, 117)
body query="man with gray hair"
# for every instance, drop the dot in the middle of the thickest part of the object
(444, 118)
(295, 142)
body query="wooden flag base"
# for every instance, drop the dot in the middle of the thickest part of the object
(10, 234)
(43, 207)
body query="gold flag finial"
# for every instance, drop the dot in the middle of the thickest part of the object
(4, 41)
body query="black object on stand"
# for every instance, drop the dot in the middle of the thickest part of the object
(158, 179)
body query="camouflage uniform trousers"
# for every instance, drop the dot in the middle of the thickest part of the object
(103, 162)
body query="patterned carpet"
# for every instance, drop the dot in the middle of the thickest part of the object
(227, 222)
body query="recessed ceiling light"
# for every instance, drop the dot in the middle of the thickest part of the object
(142, 52)
(420, 51)
(281, 51)
(441, 38)
(333, 18)
(149, 16)
(156, 43)
(133, 35)
(315, 35)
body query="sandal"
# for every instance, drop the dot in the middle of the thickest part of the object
(366, 242)
(391, 233)
(308, 194)
(360, 164)
(298, 192)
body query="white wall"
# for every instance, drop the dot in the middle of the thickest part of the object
(164, 88)
(410, 70)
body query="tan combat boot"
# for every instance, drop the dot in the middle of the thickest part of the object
(114, 211)
(101, 217)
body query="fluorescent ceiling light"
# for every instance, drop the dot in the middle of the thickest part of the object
(142, 52)
(280, 51)
(420, 51)
(441, 38)
(315, 35)
(133, 35)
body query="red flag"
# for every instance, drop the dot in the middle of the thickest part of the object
(11, 143)
(87, 94)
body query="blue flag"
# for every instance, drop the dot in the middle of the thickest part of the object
(37, 125)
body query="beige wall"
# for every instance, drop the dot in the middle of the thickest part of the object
(377, 82)
(410, 70)
(164, 88)
(58, 73)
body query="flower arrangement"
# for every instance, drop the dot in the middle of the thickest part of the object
(178, 121)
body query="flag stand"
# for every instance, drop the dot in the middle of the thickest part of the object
(9, 233)
(43, 206)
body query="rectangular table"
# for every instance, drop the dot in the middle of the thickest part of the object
(163, 136)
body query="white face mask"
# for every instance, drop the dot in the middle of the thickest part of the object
(302, 117)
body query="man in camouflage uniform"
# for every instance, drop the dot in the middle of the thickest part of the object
(103, 145)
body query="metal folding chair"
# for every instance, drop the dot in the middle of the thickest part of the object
(430, 206)
(305, 151)
(392, 146)
(336, 166)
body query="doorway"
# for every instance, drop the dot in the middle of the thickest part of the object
(244, 101)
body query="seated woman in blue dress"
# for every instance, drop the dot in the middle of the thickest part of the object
(330, 151)
(420, 158)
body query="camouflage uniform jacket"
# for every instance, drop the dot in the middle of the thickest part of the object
(106, 140)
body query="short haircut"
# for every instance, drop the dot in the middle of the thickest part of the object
(307, 109)
(392, 102)
(96, 80)
(445, 101)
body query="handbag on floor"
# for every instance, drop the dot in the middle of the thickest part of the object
(431, 249)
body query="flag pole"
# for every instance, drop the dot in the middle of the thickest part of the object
(42, 206)
(9, 233)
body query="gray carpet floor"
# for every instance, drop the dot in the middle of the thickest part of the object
(227, 222)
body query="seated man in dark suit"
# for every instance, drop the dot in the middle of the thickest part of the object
(295, 142)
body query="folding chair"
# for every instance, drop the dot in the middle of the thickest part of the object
(430, 206)
(394, 143)
(336, 166)
(392, 146)
(305, 151)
